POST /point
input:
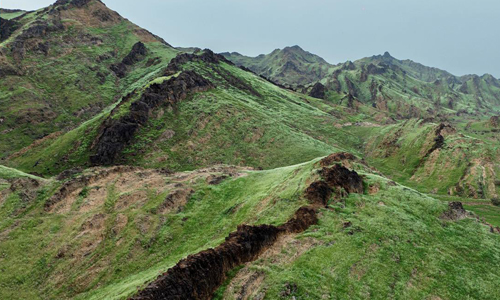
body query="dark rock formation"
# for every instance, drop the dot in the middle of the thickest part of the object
(208, 56)
(373, 92)
(464, 88)
(376, 70)
(7, 70)
(336, 157)
(335, 83)
(318, 91)
(318, 192)
(337, 180)
(441, 129)
(198, 276)
(455, 212)
(351, 87)
(215, 179)
(339, 176)
(74, 3)
(68, 173)
(138, 53)
(116, 134)
(7, 27)
(212, 60)
(349, 66)
(38, 29)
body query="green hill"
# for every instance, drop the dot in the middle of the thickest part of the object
(132, 169)
(55, 71)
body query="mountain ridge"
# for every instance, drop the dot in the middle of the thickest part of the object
(381, 76)
(153, 167)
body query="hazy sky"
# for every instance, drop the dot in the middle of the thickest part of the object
(461, 36)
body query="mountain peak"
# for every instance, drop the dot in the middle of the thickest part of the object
(387, 55)
(77, 3)
(295, 48)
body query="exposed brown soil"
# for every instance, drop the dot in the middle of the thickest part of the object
(176, 200)
(199, 275)
(131, 186)
(75, 185)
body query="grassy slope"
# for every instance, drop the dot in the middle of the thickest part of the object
(54, 92)
(399, 246)
(9, 173)
(465, 161)
(148, 244)
(226, 124)
(8, 15)
(399, 249)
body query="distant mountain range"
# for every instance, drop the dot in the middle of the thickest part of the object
(401, 87)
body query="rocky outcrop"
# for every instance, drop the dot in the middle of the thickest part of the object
(7, 70)
(38, 29)
(455, 212)
(137, 54)
(198, 276)
(339, 176)
(116, 134)
(336, 180)
(318, 91)
(74, 3)
(337, 157)
(319, 192)
(371, 69)
(212, 60)
(7, 27)
(439, 133)
(208, 56)
(351, 87)
(464, 88)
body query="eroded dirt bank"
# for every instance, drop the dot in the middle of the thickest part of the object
(198, 276)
